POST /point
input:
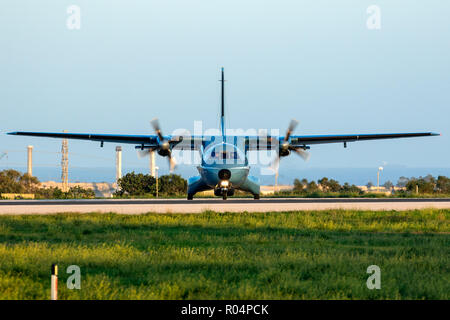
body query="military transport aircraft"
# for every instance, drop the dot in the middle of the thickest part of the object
(224, 158)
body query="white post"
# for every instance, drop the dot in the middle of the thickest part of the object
(156, 172)
(152, 164)
(118, 163)
(65, 164)
(54, 283)
(276, 182)
(30, 161)
(378, 178)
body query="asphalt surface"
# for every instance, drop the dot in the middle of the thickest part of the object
(217, 201)
(139, 206)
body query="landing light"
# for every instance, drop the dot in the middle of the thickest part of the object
(224, 183)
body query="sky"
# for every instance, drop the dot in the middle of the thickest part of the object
(315, 61)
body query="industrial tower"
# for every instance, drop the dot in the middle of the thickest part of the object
(30, 161)
(65, 165)
(118, 163)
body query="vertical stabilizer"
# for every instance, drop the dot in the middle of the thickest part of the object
(222, 108)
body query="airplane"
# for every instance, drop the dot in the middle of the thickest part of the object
(224, 159)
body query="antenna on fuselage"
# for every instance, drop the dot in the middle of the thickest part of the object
(222, 109)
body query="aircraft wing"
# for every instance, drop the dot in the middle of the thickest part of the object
(299, 141)
(144, 141)
(194, 142)
(148, 140)
(296, 141)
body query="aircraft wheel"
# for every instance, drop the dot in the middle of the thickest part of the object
(190, 197)
(224, 196)
(256, 196)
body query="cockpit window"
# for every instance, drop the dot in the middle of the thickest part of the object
(224, 155)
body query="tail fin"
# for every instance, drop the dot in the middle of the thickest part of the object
(222, 109)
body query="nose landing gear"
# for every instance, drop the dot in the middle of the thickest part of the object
(223, 192)
(224, 189)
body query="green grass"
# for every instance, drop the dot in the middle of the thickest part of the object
(291, 255)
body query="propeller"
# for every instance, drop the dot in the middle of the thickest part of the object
(292, 125)
(286, 147)
(144, 152)
(163, 147)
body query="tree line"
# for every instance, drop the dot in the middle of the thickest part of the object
(132, 184)
(12, 181)
(138, 184)
(410, 186)
(426, 185)
(324, 185)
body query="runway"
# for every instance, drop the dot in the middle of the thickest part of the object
(139, 206)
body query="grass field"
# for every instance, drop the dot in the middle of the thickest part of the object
(292, 255)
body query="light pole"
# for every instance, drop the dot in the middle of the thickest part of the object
(156, 174)
(276, 181)
(378, 177)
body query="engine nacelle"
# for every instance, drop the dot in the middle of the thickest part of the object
(284, 152)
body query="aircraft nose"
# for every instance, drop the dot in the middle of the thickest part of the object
(224, 174)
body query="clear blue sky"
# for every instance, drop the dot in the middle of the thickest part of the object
(315, 61)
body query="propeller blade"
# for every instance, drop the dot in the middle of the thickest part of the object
(172, 162)
(157, 128)
(275, 164)
(143, 153)
(302, 153)
(164, 146)
(290, 129)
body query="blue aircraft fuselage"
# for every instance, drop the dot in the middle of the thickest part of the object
(224, 168)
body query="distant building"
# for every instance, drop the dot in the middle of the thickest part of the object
(375, 189)
(101, 189)
(265, 190)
